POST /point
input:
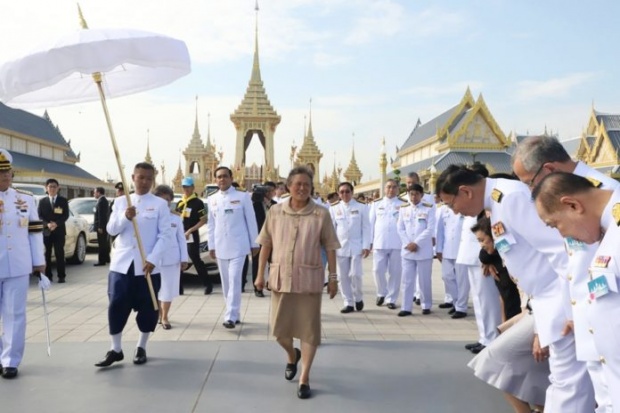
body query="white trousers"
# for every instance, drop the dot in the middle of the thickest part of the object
(487, 308)
(387, 260)
(601, 389)
(456, 283)
(571, 389)
(230, 273)
(13, 297)
(417, 270)
(350, 279)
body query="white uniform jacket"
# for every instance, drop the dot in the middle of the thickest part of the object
(534, 253)
(383, 223)
(231, 224)
(580, 256)
(21, 234)
(176, 250)
(153, 219)
(449, 226)
(469, 247)
(416, 223)
(352, 227)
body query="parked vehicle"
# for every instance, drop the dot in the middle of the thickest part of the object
(37, 191)
(75, 241)
(85, 207)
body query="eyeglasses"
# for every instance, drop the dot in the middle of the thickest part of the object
(531, 183)
(451, 203)
(344, 192)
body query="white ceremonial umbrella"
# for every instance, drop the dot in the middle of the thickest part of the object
(94, 64)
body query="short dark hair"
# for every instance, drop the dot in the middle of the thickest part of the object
(347, 184)
(454, 176)
(100, 190)
(504, 175)
(163, 190)
(270, 184)
(51, 181)
(483, 225)
(414, 175)
(416, 188)
(119, 185)
(301, 170)
(480, 168)
(144, 165)
(219, 168)
(556, 185)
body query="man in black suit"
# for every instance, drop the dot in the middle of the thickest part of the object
(54, 212)
(100, 222)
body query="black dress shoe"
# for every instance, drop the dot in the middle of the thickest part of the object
(426, 312)
(229, 324)
(359, 305)
(110, 357)
(404, 313)
(303, 392)
(61, 280)
(9, 372)
(237, 322)
(291, 368)
(347, 309)
(472, 345)
(208, 289)
(452, 311)
(140, 356)
(391, 306)
(459, 314)
(477, 349)
(417, 301)
(445, 305)
(380, 301)
(98, 264)
(259, 293)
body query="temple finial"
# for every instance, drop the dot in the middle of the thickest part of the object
(83, 23)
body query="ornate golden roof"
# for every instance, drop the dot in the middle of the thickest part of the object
(309, 150)
(353, 173)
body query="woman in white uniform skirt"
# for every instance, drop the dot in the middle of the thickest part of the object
(174, 261)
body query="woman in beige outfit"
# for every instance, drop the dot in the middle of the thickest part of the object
(293, 234)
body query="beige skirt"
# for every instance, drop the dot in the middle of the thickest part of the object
(296, 316)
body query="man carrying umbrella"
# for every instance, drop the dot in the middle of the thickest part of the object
(20, 231)
(127, 285)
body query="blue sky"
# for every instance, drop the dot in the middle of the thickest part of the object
(371, 68)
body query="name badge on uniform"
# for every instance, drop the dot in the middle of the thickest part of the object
(23, 222)
(354, 212)
(228, 211)
(421, 217)
(502, 245)
(574, 245)
(498, 229)
(187, 212)
(602, 261)
(235, 202)
(58, 210)
(598, 287)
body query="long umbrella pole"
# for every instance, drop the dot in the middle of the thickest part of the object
(97, 78)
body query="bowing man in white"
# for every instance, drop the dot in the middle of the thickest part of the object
(127, 286)
(350, 219)
(386, 244)
(455, 278)
(232, 233)
(534, 158)
(586, 214)
(21, 253)
(416, 227)
(535, 257)
(174, 260)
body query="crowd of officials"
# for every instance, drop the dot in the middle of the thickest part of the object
(536, 252)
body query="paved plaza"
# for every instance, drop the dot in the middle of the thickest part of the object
(369, 361)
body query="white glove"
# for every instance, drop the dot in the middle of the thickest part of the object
(44, 283)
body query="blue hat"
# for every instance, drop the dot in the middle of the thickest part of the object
(187, 181)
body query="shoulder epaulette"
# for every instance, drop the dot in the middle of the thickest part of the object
(335, 203)
(405, 205)
(497, 195)
(615, 212)
(213, 193)
(23, 191)
(377, 200)
(285, 196)
(361, 202)
(240, 190)
(595, 182)
(35, 226)
(426, 204)
(175, 212)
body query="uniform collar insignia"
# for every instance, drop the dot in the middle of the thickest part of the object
(497, 195)
(615, 212)
(595, 182)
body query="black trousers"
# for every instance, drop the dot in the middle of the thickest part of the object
(103, 247)
(55, 240)
(128, 292)
(193, 250)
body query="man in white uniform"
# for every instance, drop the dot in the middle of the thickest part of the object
(386, 244)
(21, 253)
(535, 158)
(455, 278)
(353, 229)
(416, 226)
(586, 214)
(232, 232)
(127, 285)
(535, 257)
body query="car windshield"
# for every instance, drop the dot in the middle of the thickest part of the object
(38, 190)
(84, 207)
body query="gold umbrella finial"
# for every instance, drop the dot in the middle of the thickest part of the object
(82, 20)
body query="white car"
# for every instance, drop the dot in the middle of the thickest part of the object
(85, 207)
